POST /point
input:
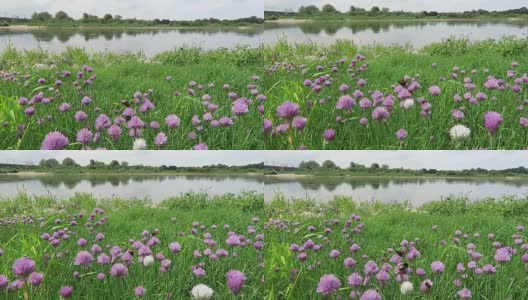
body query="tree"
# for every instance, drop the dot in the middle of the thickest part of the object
(68, 162)
(61, 16)
(385, 167)
(49, 163)
(118, 18)
(114, 164)
(375, 9)
(328, 164)
(329, 9)
(375, 166)
(108, 17)
(41, 17)
(309, 10)
(385, 10)
(124, 164)
(309, 165)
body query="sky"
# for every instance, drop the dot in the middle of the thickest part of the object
(440, 160)
(141, 9)
(148, 158)
(406, 5)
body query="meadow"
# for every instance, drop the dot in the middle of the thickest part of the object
(454, 94)
(188, 247)
(182, 99)
(446, 249)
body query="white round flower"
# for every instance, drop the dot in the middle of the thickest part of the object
(148, 261)
(406, 288)
(201, 292)
(408, 103)
(459, 132)
(139, 144)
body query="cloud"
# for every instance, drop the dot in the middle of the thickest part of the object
(407, 5)
(162, 9)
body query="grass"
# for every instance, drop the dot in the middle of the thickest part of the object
(127, 220)
(389, 226)
(286, 62)
(118, 78)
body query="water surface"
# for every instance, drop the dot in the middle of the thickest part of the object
(151, 41)
(155, 187)
(416, 33)
(417, 191)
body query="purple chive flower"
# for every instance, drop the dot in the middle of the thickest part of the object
(345, 103)
(83, 258)
(426, 286)
(139, 291)
(66, 291)
(86, 100)
(370, 295)
(268, 126)
(434, 91)
(4, 282)
(288, 110)
(437, 267)
(64, 107)
(174, 247)
(80, 116)
(102, 121)
(160, 140)
(328, 285)
(329, 135)
(84, 136)
(119, 271)
(401, 134)
(299, 123)
(235, 281)
(380, 113)
(200, 146)
(523, 121)
(492, 121)
(464, 294)
(172, 121)
(225, 121)
(35, 279)
(54, 141)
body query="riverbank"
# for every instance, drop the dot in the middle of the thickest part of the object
(374, 248)
(410, 98)
(169, 249)
(183, 96)
(26, 27)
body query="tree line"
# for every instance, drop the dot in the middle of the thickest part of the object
(330, 10)
(109, 19)
(328, 166)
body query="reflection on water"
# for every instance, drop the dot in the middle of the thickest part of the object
(417, 33)
(155, 187)
(149, 40)
(415, 190)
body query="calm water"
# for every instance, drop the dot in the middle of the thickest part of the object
(156, 187)
(417, 191)
(417, 33)
(121, 40)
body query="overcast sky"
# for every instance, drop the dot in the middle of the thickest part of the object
(150, 158)
(142, 9)
(407, 5)
(441, 160)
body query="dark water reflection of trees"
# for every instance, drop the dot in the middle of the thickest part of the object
(331, 28)
(72, 181)
(332, 183)
(64, 35)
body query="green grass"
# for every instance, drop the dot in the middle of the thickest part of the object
(386, 66)
(118, 78)
(386, 226)
(127, 220)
